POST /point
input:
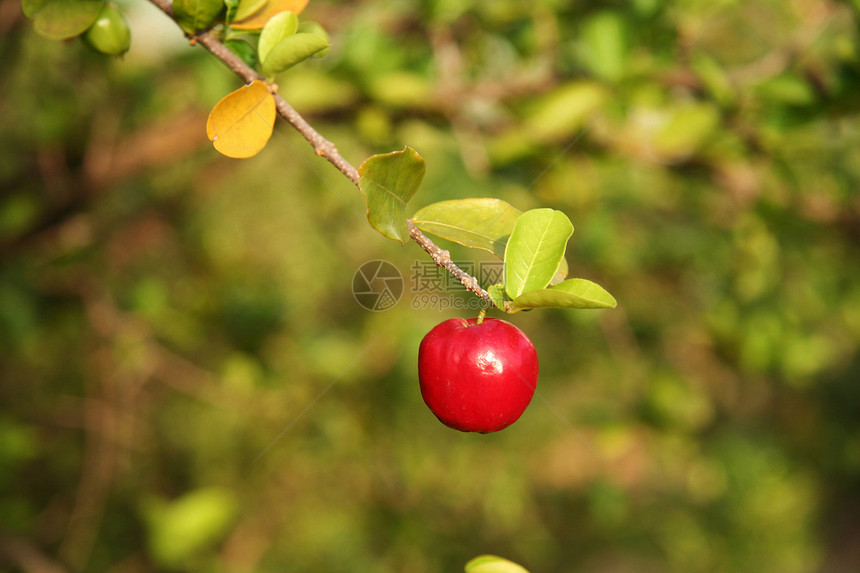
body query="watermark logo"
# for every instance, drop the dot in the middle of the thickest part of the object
(377, 285)
(436, 289)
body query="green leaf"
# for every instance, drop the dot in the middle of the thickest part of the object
(493, 564)
(183, 527)
(484, 223)
(563, 112)
(281, 26)
(572, 293)
(478, 223)
(292, 50)
(401, 89)
(689, 126)
(195, 15)
(606, 38)
(31, 7)
(497, 295)
(248, 7)
(535, 250)
(242, 48)
(310, 27)
(61, 19)
(388, 182)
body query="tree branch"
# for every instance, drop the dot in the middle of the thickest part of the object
(324, 148)
(442, 258)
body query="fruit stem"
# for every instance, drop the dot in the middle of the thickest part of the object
(481, 315)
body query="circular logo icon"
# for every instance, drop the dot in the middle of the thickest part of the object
(377, 285)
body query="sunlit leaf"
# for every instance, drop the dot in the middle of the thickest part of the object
(606, 39)
(535, 250)
(497, 295)
(242, 122)
(279, 27)
(31, 7)
(256, 20)
(61, 19)
(483, 223)
(787, 88)
(247, 8)
(314, 91)
(493, 564)
(388, 182)
(687, 129)
(292, 50)
(196, 15)
(309, 27)
(182, 527)
(714, 78)
(402, 89)
(572, 293)
(564, 111)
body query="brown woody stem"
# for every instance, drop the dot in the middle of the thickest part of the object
(324, 148)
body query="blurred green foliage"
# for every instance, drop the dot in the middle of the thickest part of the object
(187, 383)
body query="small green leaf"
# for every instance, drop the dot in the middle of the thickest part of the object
(310, 27)
(497, 295)
(687, 129)
(493, 564)
(535, 250)
(196, 15)
(292, 50)
(572, 293)
(401, 89)
(607, 39)
(179, 529)
(242, 48)
(281, 26)
(246, 8)
(61, 19)
(31, 7)
(563, 111)
(478, 223)
(388, 182)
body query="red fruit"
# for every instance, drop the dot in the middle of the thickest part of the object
(477, 377)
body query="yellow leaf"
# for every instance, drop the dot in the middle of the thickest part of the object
(241, 123)
(258, 19)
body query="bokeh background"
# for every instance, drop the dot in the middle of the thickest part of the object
(188, 384)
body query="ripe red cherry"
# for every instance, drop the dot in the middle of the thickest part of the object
(477, 377)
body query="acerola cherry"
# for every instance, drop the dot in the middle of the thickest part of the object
(477, 377)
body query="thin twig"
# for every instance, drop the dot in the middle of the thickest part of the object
(324, 148)
(442, 258)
